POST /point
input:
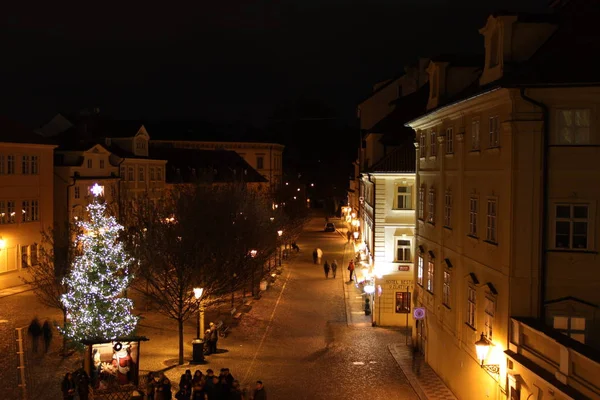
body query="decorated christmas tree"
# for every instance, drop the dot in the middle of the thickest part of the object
(95, 302)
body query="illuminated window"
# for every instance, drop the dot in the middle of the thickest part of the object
(403, 197)
(24, 256)
(25, 211)
(3, 212)
(420, 267)
(403, 250)
(431, 206)
(423, 144)
(402, 302)
(430, 275)
(11, 213)
(574, 126)
(571, 223)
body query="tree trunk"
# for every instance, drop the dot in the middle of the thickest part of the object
(64, 337)
(180, 326)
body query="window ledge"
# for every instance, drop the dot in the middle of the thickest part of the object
(474, 238)
(495, 244)
(431, 223)
(449, 155)
(432, 158)
(447, 306)
(583, 251)
(430, 292)
(493, 150)
(447, 227)
(475, 151)
(422, 158)
(471, 327)
(403, 209)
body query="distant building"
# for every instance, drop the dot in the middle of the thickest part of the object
(26, 201)
(507, 225)
(386, 201)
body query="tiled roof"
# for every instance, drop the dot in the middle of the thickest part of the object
(406, 108)
(402, 159)
(13, 132)
(191, 165)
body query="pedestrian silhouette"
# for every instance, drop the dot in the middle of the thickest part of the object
(334, 268)
(47, 333)
(326, 269)
(35, 331)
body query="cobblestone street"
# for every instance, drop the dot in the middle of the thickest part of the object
(296, 338)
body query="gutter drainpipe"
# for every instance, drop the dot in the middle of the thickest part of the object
(543, 203)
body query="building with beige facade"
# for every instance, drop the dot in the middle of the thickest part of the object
(386, 201)
(26, 199)
(506, 212)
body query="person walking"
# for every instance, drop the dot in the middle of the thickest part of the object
(351, 269)
(47, 333)
(315, 256)
(349, 235)
(35, 331)
(319, 255)
(334, 268)
(326, 269)
(83, 385)
(214, 337)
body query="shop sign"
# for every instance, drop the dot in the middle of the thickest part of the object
(403, 267)
(395, 284)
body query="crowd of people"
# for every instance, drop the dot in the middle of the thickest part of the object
(202, 387)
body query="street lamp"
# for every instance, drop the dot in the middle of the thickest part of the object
(355, 235)
(198, 343)
(2, 243)
(279, 233)
(253, 255)
(482, 347)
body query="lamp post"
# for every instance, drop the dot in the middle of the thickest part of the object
(253, 255)
(279, 233)
(482, 347)
(198, 343)
(233, 289)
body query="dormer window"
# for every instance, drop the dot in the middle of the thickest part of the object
(494, 50)
(140, 144)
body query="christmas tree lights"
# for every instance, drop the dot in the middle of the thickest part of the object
(96, 308)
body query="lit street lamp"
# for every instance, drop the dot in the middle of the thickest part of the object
(279, 233)
(482, 347)
(253, 255)
(198, 343)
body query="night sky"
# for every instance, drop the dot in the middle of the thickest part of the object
(230, 60)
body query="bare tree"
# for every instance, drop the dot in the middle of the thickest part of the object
(56, 253)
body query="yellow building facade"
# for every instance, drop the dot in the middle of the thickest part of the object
(26, 200)
(506, 228)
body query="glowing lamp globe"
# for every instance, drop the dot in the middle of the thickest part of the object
(482, 346)
(369, 289)
(198, 293)
(280, 232)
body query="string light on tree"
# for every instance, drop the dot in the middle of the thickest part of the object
(96, 308)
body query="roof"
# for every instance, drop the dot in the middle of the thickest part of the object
(568, 57)
(14, 132)
(202, 131)
(192, 165)
(407, 108)
(402, 159)
(460, 60)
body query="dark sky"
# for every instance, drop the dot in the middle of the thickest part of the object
(220, 60)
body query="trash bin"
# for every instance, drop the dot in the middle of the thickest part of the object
(263, 285)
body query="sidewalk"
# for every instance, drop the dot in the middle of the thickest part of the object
(14, 290)
(423, 379)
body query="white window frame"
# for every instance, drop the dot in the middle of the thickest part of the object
(421, 210)
(579, 134)
(430, 275)
(404, 248)
(471, 307)
(448, 209)
(432, 143)
(449, 140)
(423, 144)
(494, 131)
(473, 216)
(491, 234)
(447, 288)
(35, 166)
(25, 211)
(489, 313)
(35, 210)
(431, 206)
(406, 197)
(475, 137)
(11, 212)
(574, 222)
(420, 269)
(11, 160)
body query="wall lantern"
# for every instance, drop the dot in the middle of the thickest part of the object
(2, 243)
(482, 346)
(280, 232)
(356, 235)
